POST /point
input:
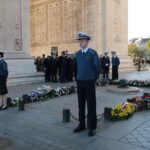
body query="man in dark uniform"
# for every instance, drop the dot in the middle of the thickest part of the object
(42, 62)
(105, 65)
(47, 68)
(88, 65)
(70, 68)
(62, 67)
(54, 67)
(115, 66)
(75, 68)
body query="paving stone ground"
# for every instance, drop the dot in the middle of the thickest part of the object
(40, 126)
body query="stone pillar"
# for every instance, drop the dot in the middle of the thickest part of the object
(15, 41)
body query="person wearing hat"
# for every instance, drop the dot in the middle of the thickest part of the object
(105, 65)
(115, 65)
(88, 65)
(3, 81)
(62, 67)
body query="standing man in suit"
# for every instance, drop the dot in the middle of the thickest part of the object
(62, 67)
(105, 65)
(54, 67)
(88, 70)
(115, 66)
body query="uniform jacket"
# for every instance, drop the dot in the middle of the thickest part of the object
(105, 62)
(3, 68)
(115, 61)
(88, 65)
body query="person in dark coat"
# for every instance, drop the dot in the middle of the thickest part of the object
(47, 68)
(3, 81)
(42, 62)
(38, 64)
(54, 67)
(105, 65)
(75, 68)
(115, 66)
(70, 68)
(88, 65)
(62, 67)
(101, 56)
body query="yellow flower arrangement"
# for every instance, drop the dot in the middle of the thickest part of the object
(123, 111)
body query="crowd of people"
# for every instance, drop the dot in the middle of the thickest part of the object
(64, 68)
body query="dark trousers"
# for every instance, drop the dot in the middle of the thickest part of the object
(63, 75)
(105, 72)
(86, 92)
(54, 76)
(115, 72)
(47, 75)
(69, 75)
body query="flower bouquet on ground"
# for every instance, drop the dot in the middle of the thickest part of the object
(114, 82)
(143, 102)
(15, 101)
(138, 102)
(101, 82)
(60, 91)
(122, 111)
(41, 94)
(139, 83)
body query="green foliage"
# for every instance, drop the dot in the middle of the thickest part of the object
(133, 49)
(148, 47)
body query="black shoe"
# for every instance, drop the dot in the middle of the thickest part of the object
(4, 108)
(92, 133)
(79, 129)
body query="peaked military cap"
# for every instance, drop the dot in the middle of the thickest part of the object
(82, 35)
(105, 52)
(113, 52)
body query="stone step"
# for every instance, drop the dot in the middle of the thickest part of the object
(26, 78)
(23, 71)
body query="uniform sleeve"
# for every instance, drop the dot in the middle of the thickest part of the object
(97, 64)
(6, 69)
(109, 61)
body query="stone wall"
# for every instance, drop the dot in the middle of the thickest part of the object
(56, 22)
(117, 25)
(15, 41)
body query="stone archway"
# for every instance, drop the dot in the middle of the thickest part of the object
(55, 23)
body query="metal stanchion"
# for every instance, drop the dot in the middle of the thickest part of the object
(21, 105)
(66, 115)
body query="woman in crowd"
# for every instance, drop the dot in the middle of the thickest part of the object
(3, 80)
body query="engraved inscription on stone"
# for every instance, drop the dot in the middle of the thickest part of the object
(89, 17)
(54, 22)
(117, 20)
(58, 21)
(69, 19)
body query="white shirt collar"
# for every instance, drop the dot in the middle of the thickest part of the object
(85, 50)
